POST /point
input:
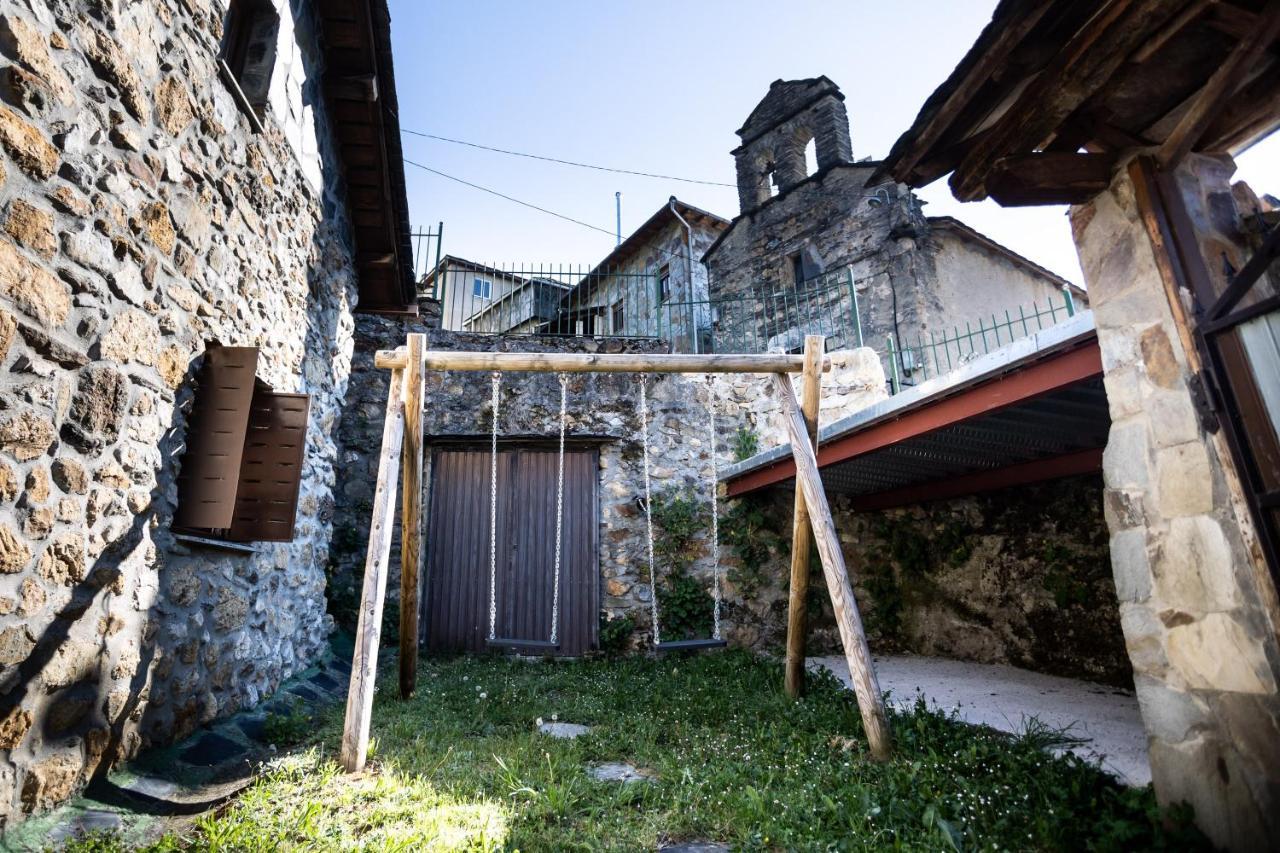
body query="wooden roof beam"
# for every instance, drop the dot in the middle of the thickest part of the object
(1010, 37)
(1082, 67)
(1213, 98)
(1049, 177)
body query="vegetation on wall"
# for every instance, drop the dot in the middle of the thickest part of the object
(681, 520)
(615, 634)
(754, 532)
(746, 443)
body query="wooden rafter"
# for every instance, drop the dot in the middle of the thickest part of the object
(1082, 67)
(1049, 178)
(1213, 98)
(1010, 37)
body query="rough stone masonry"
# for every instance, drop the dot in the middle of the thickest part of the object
(142, 217)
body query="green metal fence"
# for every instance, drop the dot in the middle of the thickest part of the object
(933, 355)
(770, 319)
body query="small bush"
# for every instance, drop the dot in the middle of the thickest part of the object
(615, 634)
(685, 608)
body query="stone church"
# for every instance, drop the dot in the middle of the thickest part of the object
(803, 227)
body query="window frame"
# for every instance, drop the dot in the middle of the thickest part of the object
(487, 295)
(664, 283)
(617, 316)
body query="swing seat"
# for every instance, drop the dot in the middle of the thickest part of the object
(689, 645)
(522, 645)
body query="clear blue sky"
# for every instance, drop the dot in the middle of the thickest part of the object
(661, 86)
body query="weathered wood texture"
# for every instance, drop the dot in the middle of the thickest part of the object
(801, 534)
(1214, 97)
(364, 663)
(1050, 177)
(411, 517)
(857, 653)
(555, 362)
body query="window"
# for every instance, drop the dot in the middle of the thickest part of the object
(797, 270)
(619, 318)
(242, 468)
(248, 56)
(664, 283)
(482, 288)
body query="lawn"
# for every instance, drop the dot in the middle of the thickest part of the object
(462, 766)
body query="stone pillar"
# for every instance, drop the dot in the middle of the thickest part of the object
(1195, 604)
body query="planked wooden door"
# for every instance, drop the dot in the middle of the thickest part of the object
(456, 604)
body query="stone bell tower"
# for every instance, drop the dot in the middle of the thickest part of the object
(774, 137)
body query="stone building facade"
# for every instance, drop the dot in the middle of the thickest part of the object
(148, 208)
(799, 237)
(1197, 606)
(653, 284)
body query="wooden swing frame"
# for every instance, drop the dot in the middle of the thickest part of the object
(402, 441)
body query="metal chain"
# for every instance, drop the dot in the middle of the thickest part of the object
(648, 507)
(715, 507)
(555, 592)
(495, 381)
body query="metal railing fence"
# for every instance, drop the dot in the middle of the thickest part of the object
(771, 319)
(933, 355)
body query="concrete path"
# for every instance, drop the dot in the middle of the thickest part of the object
(1004, 697)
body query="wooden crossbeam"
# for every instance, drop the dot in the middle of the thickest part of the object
(559, 362)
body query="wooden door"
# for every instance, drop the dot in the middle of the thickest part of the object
(456, 604)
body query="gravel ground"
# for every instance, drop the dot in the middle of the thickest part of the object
(1002, 697)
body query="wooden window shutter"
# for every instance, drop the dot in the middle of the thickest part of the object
(271, 468)
(216, 430)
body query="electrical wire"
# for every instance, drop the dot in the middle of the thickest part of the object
(529, 205)
(564, 162)
(511, 198)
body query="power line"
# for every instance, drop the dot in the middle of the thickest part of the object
(511, 198)
(564, 162)
(529, 205)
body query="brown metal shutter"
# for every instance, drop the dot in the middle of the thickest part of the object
(266, 500)
(216, 432)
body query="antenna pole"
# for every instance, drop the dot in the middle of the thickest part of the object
(617, 203)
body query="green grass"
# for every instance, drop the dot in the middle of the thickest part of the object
(461, 766)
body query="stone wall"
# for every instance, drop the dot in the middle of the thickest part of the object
(1193, 598)
(142, 216)
(1018, 576)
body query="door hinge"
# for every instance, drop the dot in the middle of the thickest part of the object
(1205, 401)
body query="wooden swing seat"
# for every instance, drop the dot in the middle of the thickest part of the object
(522, 645)
(689, 645)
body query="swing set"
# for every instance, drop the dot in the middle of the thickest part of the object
(402, 441)
(552, 643)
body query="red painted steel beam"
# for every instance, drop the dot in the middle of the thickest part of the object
(1042, 377)
(1038, 470)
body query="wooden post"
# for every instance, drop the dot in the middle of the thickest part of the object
(801, 535)
(858, 655)
(364, 663)
(411, 516)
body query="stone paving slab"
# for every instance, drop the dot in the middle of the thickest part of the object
(567, 731)
(1005, 697)
(617, 771)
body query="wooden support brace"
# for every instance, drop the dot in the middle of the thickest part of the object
(411, 517)
(857, 653)
(801, 534)
(364, 663)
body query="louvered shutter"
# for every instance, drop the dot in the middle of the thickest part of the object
(266, 500)
(208, 479)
